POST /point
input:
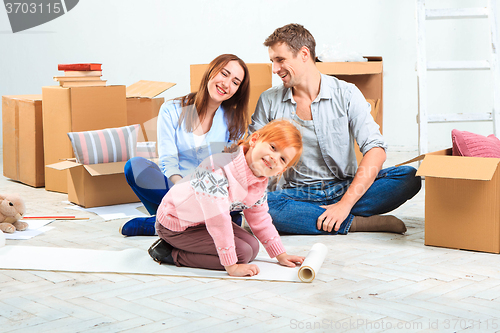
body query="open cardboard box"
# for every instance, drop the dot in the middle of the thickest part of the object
(23, 139)
(93, 108)
(143, 107)
(96, 185)
(74, 110)
(368, 77)
(462, 206)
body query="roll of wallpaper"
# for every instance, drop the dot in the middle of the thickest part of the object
(313, 262)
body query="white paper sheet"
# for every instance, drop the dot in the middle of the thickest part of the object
(35, 228)
(131, 261)
(115, 211)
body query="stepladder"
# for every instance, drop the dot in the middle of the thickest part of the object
(490, 63)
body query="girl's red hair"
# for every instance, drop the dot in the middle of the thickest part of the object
(282, 133)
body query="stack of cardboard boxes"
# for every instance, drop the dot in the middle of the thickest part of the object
(93, 108)
(37, 150)
(75, 110)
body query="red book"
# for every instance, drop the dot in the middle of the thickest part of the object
(79, 67)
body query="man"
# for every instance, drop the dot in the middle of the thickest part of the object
(326, 192)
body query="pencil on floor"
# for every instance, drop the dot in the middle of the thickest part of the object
(55, 218)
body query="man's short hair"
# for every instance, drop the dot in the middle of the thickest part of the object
(295, 36)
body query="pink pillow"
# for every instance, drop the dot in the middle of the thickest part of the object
(475, 145)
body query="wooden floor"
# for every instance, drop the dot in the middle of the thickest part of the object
(370, 282)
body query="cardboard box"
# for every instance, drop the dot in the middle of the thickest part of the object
(23, 139)
(143, 107)
(74, 110)
(462, 206)
(96, 185)
(368, 77)
(260, 81)
(375, 105)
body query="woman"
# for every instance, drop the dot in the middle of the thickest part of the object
(190, 128)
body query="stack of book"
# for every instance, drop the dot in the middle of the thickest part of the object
(80, 75)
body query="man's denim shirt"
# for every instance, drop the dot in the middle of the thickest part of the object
(340, 115)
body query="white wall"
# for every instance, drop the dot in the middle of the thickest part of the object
(158, 40)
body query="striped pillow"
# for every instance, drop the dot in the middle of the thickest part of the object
(105, 146)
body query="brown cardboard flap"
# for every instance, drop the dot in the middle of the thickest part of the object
(26, 97)
(443, 152)
(148, 89)
(447, 151)
(101, 169)
(63, 165)
(458, 167)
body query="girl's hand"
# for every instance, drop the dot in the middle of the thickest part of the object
(242, 270)
(289, 260)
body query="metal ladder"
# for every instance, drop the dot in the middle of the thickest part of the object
(423, 66)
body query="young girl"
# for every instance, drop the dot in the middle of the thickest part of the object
(190, 128)
(193, 219)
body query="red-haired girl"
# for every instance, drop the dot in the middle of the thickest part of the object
(193, 220)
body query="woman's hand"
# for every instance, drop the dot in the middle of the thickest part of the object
(289, 260)
(175, 178)
(242, 270)
(234, 147)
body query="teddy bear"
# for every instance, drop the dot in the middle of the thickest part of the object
(12, 209)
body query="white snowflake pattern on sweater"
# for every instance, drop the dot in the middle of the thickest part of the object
(209, 182)
(238, 205)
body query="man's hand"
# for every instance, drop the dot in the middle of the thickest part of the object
(242, 270)
(333, 216)
(289, 260)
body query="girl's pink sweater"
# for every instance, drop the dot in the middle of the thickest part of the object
(222, 183)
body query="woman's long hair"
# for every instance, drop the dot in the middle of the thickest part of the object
(236, 108)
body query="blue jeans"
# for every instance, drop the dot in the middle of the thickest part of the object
(296, 210)
(147, 181)
(150, 184)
